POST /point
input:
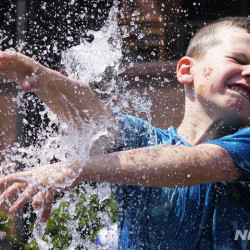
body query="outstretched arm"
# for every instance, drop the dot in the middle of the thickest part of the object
(159, 166)
(67, 97)
(163, 166)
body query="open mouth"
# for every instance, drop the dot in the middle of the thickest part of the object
(242, 89)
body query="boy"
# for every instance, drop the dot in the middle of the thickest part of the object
(192, 192)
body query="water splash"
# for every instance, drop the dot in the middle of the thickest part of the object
(89, 61)
(97, 64)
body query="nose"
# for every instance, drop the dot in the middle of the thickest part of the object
(246, 72)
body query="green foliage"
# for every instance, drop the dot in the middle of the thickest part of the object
(84, 219)
(6, 225)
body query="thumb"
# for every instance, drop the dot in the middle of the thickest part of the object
(25, 85)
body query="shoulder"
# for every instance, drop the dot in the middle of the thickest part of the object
(135, 132)
(132, 124)
(237, 141)
(132, 131)
(238, 146)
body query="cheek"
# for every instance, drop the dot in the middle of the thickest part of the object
(201, 90)
(209, 76)
(212, 89)
(207, 72)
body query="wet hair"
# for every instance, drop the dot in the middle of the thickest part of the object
(207, 36)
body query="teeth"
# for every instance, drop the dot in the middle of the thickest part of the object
(241, 91)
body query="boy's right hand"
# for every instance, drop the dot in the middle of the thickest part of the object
(22, 69)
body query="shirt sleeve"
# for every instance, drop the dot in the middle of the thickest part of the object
(133, 132)
(238, 146)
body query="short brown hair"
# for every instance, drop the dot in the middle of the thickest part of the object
(206, 37)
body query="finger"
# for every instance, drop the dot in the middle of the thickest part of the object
(38, 201)
(17, 59)
(48, 202)
(17, 66)
(20, 177)
(26, 195)
(9, 65)
(13, 190)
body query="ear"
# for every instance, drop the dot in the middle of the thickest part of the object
(184, 72)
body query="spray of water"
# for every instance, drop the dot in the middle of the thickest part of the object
(96, 64)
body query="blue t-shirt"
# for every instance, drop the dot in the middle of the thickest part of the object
(204, 216)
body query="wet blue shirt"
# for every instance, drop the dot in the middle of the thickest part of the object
(199, 217)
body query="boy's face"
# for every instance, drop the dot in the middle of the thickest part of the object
(222, 76)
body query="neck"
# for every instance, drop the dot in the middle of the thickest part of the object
(195, 130)
(197, 126)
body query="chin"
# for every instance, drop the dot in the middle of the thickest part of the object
(237, 111)
(239, 106)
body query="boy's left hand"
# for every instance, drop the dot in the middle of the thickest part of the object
(40, 184)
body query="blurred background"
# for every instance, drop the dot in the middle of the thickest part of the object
(157, 35)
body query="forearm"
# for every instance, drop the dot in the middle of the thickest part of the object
(163, 166)
(69, 98)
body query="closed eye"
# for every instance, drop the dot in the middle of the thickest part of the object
(239, 58)
(239, 61)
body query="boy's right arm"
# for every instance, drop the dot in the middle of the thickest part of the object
(66, 97)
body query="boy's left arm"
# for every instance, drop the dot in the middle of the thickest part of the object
(164, 166)
(224, 159)
(159, 166)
